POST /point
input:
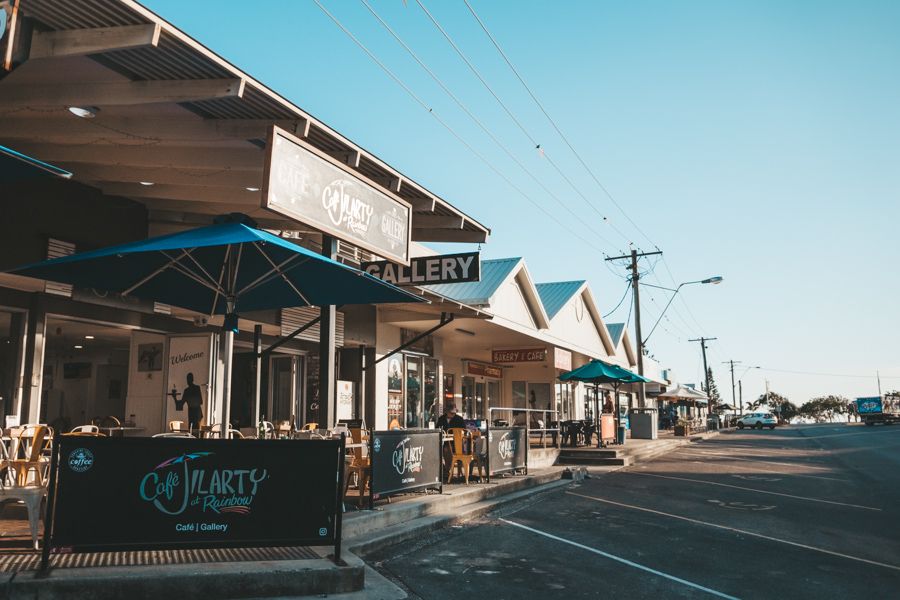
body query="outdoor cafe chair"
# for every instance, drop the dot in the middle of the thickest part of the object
(174, 434)
(37, 441)
(175, 426)
(360, 463)
(463, 452)
(310, 427)
(31, 495)
(86, 429)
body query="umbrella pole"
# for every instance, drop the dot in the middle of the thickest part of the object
(226, 384)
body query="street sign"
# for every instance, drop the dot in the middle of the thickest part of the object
(428, 270)
(310, 187)
(156, 493)
(405, 460)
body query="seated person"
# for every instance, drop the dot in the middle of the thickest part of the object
(450, 419)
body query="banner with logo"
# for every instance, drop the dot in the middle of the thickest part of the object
(310, 187)
(156, 493)
(507, 449)
(404, 460)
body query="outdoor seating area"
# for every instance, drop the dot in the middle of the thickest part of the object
(24, 468)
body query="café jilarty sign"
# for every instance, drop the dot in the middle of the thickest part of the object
(428, 270)
(519, 355)
(308, 186)
(189, 493)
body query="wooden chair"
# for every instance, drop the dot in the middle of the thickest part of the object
(176, 426)
(360, 463)
(463, 452)
(310, 427)
(86, 430)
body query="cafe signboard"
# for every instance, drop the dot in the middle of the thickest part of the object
(156, 493)
(404, 460)
(519, 355)
(483, 370)
(507, 449)
(310, 187)
(428, 270)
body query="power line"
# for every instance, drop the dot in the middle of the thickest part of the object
(553, 122)
(534, 142)
(819, 374)
(627, 288)
(443, 123)
(476, 120)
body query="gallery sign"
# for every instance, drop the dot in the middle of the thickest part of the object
(404, 460)
(428, 270)
(519, 355)
(310, 187)
(190, 493)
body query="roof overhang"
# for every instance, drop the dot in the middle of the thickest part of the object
(171, 113)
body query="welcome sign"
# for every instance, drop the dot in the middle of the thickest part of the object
(309, 187)
(146, 493)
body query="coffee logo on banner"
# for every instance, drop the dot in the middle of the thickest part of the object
(183, 481)
(81, 459)
(508, 446)
(407, 458)
(345, 209)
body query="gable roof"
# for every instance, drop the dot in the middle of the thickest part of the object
(493, 273)
(615, 332)
(554, 295)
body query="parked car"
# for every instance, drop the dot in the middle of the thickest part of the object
(758, 420)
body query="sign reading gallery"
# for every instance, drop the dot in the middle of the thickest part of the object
(428, 270)
(310, 187)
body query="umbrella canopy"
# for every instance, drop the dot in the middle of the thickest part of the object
(681, 392)
(220, 269)
(598, 371)
(15, 166)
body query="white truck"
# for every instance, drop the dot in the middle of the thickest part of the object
(879, 409)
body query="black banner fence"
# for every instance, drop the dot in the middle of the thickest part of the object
(108, 494)
(507, 449)
(405, 460)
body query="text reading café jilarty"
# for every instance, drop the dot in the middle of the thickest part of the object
(186, 318)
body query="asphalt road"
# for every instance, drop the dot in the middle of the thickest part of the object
(799, 512)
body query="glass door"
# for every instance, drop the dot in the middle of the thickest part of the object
(413, 392)
(432, 407)
(285, 385)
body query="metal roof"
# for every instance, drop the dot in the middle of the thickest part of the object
(493, 274)
(554, 295)
(616, 331)
(204, 150)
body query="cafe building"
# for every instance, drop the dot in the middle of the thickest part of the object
(507, 346)
(117, 127)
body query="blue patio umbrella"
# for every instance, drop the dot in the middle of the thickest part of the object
(598, 372)
(222, 269)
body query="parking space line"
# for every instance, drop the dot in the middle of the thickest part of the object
(624, 561)
(697, 454)
(740, 531)
(758, 491)
(770, 462)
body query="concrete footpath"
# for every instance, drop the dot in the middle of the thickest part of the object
(300, 572)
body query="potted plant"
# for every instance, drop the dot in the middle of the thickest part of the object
(682, 428)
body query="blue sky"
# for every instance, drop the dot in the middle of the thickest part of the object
(754, 140)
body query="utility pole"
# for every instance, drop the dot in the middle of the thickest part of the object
(732, 363)
(703, 341)
(767, 392)
(878, 377)
(741, 396)
(635, 288)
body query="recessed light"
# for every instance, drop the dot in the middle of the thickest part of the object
(88, 337)
(252, 189)
(85, 112)
(145, 182)
(78, 346)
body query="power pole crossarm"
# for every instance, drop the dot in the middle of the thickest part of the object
(635, 278)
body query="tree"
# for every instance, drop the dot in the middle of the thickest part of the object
(786, 409)
(713, 391)
(825, 407)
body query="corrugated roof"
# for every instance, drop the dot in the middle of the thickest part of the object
(493, 273)
(616, 331)
(554, 295)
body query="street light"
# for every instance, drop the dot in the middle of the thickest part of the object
(715, 280)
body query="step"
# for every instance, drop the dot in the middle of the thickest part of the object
(588, 460)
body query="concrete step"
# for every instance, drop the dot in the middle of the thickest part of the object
(598, 452)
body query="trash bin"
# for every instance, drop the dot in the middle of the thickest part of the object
(620, 438)
(644, 424)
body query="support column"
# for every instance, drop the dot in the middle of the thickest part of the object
(30, 409)
(327, 332)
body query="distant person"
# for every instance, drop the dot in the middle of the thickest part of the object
(194, 400)
(450, 419)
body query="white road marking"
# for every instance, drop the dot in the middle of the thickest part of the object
(738, 487)
(768, 462)
(742, 532)
(742, 505)
(624, 561)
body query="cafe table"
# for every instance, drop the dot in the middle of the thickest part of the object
(122, 430)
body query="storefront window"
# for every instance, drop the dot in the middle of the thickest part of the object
(432, 406)
(413, 392)
(468, 397)
(565, 402)
(518, 394)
